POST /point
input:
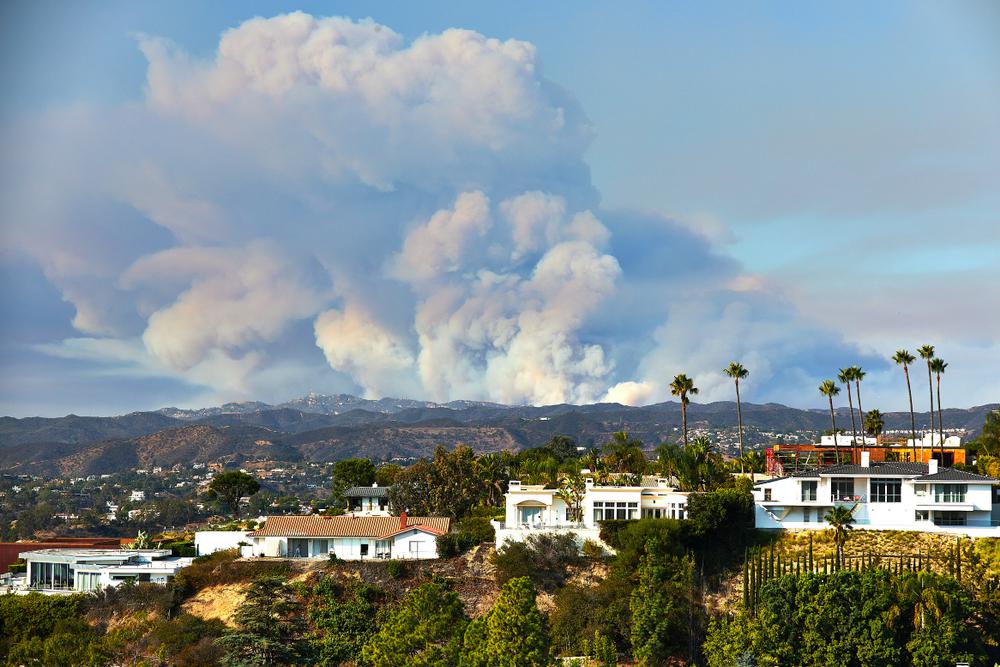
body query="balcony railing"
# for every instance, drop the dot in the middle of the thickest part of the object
(539, 525)
(848, 498)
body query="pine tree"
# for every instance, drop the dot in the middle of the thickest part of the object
(660, 606)
(513, 634)
(269, 628)
(425, 630)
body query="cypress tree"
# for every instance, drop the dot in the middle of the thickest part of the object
(810, 552)
(746, 581)
(958, 559)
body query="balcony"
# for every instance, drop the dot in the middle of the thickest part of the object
(845, 498)
(541, 525)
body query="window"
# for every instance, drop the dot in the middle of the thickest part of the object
(767, 494)
(606, 511)
(809, 491)
(414, 547)
(887, 490)
(949, 518)
(842, 488)
(807, 515)
(949, 493)
(364, 549)
(922, 515)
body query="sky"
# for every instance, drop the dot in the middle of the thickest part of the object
(528, 203)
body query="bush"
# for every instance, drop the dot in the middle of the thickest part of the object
(222, 567)
(543, 558)
(611, 528)
(469, 532)
(180, 548)
(17, 567)
(593, 550)
(396, 568)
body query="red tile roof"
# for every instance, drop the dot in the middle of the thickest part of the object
(348, 526)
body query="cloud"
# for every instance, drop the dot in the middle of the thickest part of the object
(417, 214)
(355, 344)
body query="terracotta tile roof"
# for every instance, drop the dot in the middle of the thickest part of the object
(347, 526)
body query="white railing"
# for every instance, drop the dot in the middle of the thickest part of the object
(539, 525)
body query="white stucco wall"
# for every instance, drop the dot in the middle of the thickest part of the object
(209, 541)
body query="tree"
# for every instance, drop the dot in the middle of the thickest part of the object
(385, 475)
(572, 489)
(350, 473)
(624, 454)
(494, 471)
(904, 358)
(232, 486)
(858, 374)
(736, 371)
(926, 353)
(874, 423)
(412, 490)
(269, 628)
(661, 604)
(425, 630)
(344, 622)
(457, 489)
(938, 366)
(841, 520)
(829, 389)
(683, 386)
(845, 376)
(513, 634)
(562, 446)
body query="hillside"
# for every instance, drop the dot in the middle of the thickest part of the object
(326, 428)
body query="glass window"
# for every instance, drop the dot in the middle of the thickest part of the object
(364, 549)
(886, 490)
(414, 546)
(922, 515)
(809, 490)
(842, 488)
(949, 493)
(949, 518)
(767, 494)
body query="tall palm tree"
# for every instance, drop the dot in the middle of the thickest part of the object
(840, 518)
(904, 358)
(845, 376)
(683, 386)
(874, 423)
(858, 376)
(736, 371)
(830, 389)
(926, 353)
(938, 366)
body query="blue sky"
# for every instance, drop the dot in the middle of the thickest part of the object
(800, 186)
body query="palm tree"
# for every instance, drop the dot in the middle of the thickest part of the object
(830, 389)
(754, 461)
(572, 489)
(683, 386)
(874, 423)
(926, 352)
(736, 371)
(845, 376)
(840, 518)
(904, 358)
(858, 376)
(938, 366)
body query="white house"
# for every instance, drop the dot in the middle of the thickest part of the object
(55, 571)
(532, 509)
(367, 500)
(350, 537)
(886, 496)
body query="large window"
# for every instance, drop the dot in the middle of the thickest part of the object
(607, 510)
(842, 488)
(949, 518)
(809, 491)
(54, 576)
(887, 490)
(949, 493)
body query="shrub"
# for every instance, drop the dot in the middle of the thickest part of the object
(396, 568)
(447, 545)
(593, 550)
(611, 528)
(222, 567)
(469, 532)
(17, 566)
(543, 558)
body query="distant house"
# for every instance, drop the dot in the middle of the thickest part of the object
(350, 537)
(74, 570)
(532, 509)
(885, 496)
(368, 500)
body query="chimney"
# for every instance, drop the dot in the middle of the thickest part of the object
(375, 485)
(402, 520)
(589, 482)
(932, 467)
(866, 458)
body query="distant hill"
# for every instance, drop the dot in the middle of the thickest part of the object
(319, 427)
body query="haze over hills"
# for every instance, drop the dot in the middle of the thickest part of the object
(319, 427)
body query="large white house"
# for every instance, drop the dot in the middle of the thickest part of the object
(350, 537)
(75, 570)
(533, 509)
(885, 496)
